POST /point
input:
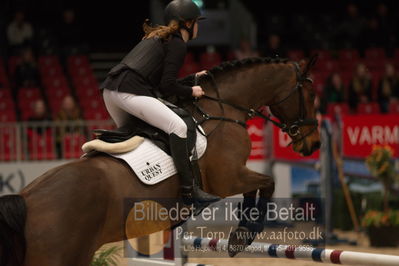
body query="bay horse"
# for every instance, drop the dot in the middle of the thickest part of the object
(67, 213)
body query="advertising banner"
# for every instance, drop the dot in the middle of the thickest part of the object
(14, 176)
(283, 152)
(361, 133)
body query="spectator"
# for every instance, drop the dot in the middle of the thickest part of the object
(352, 27)
(274, 47)
(70, 35)
(19, 32)
(26, 72)
(360, 87)
(40, 114)
(334, 91)
(386, 23)
(373, 35)
(388, 88)
(69, 110)
(245, 50)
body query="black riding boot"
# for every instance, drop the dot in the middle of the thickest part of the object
(190, 191)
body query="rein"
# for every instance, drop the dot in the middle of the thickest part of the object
(292, 129)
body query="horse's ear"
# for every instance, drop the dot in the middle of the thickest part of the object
(306, 66)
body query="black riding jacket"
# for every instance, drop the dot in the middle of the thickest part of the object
(152, 66)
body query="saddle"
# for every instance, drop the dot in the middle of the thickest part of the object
(137, 127)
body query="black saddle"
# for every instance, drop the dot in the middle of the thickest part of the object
(137, 127)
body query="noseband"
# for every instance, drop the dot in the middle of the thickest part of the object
(291, 128)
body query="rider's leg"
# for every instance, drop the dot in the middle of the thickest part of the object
(157, 114)
(118, 115)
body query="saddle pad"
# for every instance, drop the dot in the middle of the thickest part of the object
(151, 164)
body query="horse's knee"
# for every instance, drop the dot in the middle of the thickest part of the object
(268, 187)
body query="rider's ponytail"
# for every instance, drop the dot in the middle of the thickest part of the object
(160, 31)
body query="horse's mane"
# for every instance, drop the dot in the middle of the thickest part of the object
(237, 64)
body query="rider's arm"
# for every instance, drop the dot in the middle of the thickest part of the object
(174, 58)
(187, 80)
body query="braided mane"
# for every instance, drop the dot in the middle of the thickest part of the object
(237, 64)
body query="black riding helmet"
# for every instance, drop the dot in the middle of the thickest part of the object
(182, 10)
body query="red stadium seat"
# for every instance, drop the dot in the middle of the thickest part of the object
(41, 146)
(295, 55)
(189, 68)
(8, 144)
(337, 108)
(322, 54)
(77, 61)
(59, 92)
(5, 94)
(91, 103)
(375, 81)
(375, 54)
(375, 64)
(8, 116)
(348, 55)
(6, 104)
(82, 82)
(55, 82)
(3, 76)
(52, 71)
(98, 114)
(81, 71)
(13, 61)
(28, 93)
(88, 93)
(368, 108)
(48, 61)
(71, 145)
(394, 107)
(189, 58)
(26, 98)
(209, 60)
(328, 66)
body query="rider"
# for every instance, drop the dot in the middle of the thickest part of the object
(150, 70)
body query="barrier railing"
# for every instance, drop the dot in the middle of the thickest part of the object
(47, 140)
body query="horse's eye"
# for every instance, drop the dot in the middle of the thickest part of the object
(312, 95)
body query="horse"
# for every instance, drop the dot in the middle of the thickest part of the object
(67, 213)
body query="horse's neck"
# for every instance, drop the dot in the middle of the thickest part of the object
(251, 87)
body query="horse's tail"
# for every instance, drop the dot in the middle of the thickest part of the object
(12, 230)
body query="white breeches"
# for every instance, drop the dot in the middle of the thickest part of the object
(148, 109)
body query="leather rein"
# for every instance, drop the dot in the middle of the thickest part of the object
(292, 129)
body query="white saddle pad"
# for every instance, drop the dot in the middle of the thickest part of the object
(151, 164)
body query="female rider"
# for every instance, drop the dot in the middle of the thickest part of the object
(150, 70)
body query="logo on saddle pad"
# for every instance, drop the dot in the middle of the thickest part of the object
(152, 171)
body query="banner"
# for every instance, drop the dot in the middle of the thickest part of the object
(256, 131)
(14, 176)
(361, 132)
(283, 152)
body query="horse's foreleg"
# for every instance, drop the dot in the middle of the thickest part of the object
(247, 204)
(247, 228)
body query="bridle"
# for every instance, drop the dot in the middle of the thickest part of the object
(291, 128)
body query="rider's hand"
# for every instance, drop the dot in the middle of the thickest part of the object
(199, 74)
(197, 91)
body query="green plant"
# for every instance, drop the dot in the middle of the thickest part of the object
(106, 256)
(378, 218)
(381, 165)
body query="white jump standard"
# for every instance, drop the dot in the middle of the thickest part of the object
(297, 252)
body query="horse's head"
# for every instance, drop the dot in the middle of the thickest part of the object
(294, 106)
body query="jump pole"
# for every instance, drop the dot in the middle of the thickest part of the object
(296, 252)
